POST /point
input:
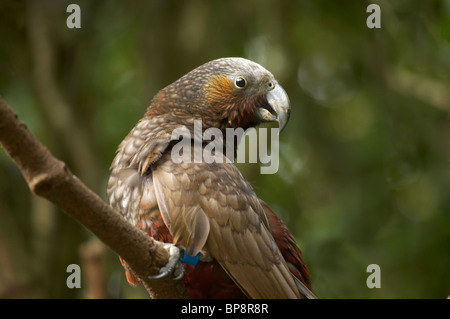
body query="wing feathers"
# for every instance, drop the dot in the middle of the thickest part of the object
(227, 220)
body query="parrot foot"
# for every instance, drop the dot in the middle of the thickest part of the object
(205, 258)
(174, 265)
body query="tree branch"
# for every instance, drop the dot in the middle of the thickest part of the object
(51, 178)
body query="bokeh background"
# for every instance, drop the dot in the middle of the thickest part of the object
(364, 169)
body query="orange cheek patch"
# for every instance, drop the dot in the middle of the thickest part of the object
(219, 88)
(233, 106)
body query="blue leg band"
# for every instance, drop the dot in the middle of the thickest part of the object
(189, 260)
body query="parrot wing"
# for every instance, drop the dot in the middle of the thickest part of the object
(211, 208)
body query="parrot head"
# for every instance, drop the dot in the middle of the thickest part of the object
(225, 93)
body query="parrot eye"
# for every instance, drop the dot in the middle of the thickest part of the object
(240, 82)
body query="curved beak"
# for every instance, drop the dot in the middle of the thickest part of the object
(277, 107)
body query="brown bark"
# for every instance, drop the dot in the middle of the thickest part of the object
(50, 178)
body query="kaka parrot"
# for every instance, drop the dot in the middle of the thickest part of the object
(234, 245)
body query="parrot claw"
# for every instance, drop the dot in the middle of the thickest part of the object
(174, 265)
(205, 258)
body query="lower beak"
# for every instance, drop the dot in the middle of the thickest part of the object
(277, 108)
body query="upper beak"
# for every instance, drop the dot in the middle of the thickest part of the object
(277, 108)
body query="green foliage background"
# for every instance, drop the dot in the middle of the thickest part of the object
(364, 169)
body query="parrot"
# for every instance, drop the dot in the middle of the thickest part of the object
(232, 244)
